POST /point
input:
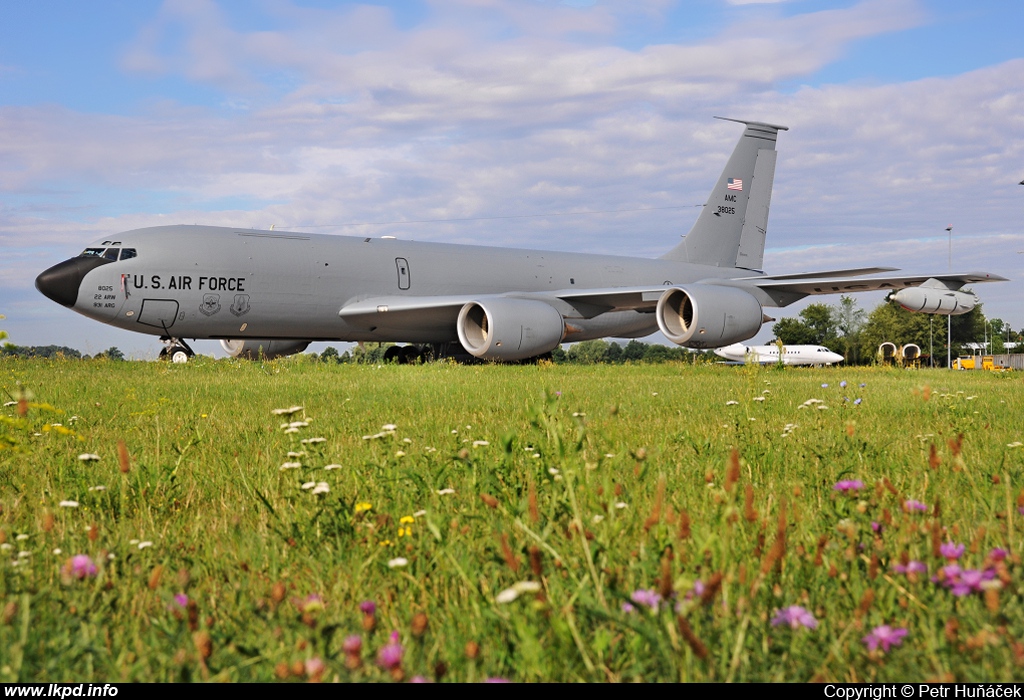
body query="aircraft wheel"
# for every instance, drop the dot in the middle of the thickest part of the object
(178, 354)
(393, 354)
(410, 355)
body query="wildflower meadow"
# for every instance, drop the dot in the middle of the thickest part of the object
(301, 521)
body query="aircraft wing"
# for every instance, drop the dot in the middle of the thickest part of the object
(832, 285)
(849, 272)
(432, 311)
(406, 311)
(438, 311)
(785, 290)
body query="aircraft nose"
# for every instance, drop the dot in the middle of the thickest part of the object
(61, 282)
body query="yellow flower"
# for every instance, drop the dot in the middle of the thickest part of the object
(362, 506)
(385, 543)
(406, 519)
(405, 532)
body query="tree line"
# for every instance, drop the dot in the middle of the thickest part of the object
(54, 352)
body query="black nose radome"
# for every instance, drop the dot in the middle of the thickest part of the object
(61, 282)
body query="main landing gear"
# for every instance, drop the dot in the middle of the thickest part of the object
(407, 354)
(176, 350)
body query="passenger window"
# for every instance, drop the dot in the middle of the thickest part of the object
(127, 253)
(92, 253)
(112, 253)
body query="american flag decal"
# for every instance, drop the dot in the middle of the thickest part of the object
(734, 183)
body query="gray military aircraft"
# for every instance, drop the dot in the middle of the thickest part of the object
(271, 293)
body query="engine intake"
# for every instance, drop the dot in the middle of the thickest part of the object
(253, 349)
(708, 316)
(506, 329)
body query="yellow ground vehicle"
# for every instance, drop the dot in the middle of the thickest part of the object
(971, 362)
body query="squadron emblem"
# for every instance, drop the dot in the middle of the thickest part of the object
(240, 307)
(210, 305)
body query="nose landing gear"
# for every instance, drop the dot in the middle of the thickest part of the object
(176, 350)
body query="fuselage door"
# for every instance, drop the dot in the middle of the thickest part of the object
(158, 313)
(403, 272)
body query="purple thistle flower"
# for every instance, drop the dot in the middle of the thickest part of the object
(696, 591)
(81, 566)
(646, 597)
(969, 582)
(848, 485)
(181, 600)
(950, 571)
(390, 655)
(913, 505)
(315, 667)
(418, 679)
(912, 567)
(961, 582)
(876, 527)
(795, 617)
(353, 644)
(628, 607)
(998, 554)
(497, 680)
(368, 607)
(885, 637)
(951, 551)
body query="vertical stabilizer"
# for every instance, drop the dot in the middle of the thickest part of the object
(731, 229)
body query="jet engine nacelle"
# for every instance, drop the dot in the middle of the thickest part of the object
(934, 300)
(708, 316)
(252, 349)
(506, 329)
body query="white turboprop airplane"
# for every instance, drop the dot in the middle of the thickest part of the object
(769, 354)
(271, 293)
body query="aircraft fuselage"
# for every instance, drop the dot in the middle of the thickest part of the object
(212, 282)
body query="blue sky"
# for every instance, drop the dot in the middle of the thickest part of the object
(905, 116)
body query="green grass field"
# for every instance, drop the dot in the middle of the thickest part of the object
(564, 523)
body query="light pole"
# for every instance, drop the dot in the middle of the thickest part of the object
(949, 319)
(931, 342)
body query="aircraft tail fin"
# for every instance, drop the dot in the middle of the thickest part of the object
(731, 229)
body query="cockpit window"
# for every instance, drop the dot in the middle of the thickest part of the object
(112, 253)
(127, 253)
(92, 253)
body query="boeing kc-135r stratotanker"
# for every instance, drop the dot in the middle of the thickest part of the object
(271, 293)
